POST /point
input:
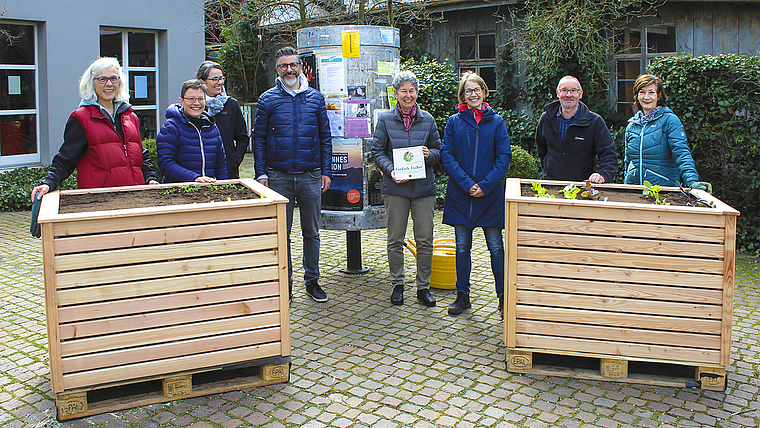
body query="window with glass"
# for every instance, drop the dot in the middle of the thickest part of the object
(477, 53)
(137, 52)
(18, 94)
(632, 59)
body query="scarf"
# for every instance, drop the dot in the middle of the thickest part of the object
(652, 115)
(478, 113)
(215, 105)
(408, 117)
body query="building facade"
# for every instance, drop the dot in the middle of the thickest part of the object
(45, 46)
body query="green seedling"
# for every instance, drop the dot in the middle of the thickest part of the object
(541, 192)
(570, 191)
(653, 192)
(588, 192)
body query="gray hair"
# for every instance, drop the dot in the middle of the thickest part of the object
(405, 76)
(86, 89)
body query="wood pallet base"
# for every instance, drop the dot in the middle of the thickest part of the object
(126, 395)
(616, 369)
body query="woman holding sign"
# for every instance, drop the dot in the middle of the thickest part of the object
(409, 135)
(476, 156)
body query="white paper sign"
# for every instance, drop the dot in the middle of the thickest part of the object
(409, 163)
(332, 75)
(14, 85)
(141, 86)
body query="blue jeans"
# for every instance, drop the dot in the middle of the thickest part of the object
(495, 244)
(307, 189)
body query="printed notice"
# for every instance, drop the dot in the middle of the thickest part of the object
(332, 75)
(391, 97)
(386, 68)
(14, 85)
(335, 116)
(350, 44)
(409, 163)
(141, 86)
(357, 118)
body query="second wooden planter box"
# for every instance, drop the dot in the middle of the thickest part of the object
(620, 282)
(143, 293)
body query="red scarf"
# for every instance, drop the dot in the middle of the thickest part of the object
(477, 112)
(408, 117)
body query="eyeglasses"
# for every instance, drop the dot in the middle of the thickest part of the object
(216, 79)
(573, 91)
(476, 91)
(104, 80)
(193, 100)
(293, 65)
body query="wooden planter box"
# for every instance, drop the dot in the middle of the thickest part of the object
(620, 282)
(143, 293)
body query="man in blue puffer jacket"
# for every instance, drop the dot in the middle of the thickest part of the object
(292, 148)
(189, 146)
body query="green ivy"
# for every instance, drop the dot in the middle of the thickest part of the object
(717, 98)
(150, 144)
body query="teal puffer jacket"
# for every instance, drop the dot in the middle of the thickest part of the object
(657, 151)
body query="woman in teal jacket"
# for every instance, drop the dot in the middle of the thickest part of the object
(655, 141)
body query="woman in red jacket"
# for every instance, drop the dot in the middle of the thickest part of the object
(102, 136)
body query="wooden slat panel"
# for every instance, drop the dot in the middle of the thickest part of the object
(165, 270)
(51, 301)
(167, 302)
(614, 334)
(688, 216)
(129, 256)
(171, 333)
(749, 29)
(647, 322)
(725, 31)
(684, 29)
(620, 245)
(666, 353)
(155, 221)
(703, 29)
(623, 229)
(139, 238)
(510, 292)
(162, 367)
(282, 243)
(166, 318)
(169, 350)
(613, 304)
(134, 289)
(601, 273)
(641, 261)
(728, 290)
(623, 290)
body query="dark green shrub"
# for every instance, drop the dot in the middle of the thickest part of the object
(438, 87)
(16, 187)
(717, 97)
(521, 129)
(150, 144)
(523, 164)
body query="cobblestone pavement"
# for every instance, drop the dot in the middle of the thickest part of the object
(359, 361)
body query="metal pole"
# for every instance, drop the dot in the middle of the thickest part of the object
(354, 253)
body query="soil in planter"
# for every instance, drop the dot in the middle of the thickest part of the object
(106, 201)
(676, 199)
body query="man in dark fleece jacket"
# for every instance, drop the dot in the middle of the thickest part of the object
(570, 138)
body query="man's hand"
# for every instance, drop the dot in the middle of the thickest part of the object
(393, 176)
(326, 183)
(153, 182)
(596, 178)
(204, 179)
(264, 181)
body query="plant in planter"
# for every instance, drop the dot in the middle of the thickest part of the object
(653, 192)
(541, 192)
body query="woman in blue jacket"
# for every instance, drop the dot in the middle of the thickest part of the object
(476, 155)
(655, 140)
(189, 145)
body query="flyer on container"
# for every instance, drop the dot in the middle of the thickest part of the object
(409, 163)
(356, 112)
(332, 75)
(391, 97)
(335, 116)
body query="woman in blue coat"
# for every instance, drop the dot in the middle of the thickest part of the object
(476, 155)
(655, 141)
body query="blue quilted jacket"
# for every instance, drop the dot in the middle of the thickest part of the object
(186, 152)
(292, 133)
(657, 151)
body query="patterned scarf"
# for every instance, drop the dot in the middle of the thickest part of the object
(652, 115)
(214, 105)
(408, 117)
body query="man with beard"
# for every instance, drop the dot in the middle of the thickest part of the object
(292, 148)
(570, 138)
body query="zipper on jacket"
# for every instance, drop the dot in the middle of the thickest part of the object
(203, 151)
(475, 164)
(641, 154)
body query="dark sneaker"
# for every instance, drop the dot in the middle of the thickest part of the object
(397, 298)
(315, 292)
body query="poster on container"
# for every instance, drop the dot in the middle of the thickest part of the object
(356, 113)
(332, 75)
(347, 188)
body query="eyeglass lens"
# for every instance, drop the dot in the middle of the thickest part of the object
(104, 80)
(194, 99)
(292, 65)
(216, 79)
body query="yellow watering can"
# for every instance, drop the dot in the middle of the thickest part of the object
(444, 275)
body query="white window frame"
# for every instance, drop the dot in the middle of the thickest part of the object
(127, 69)
(32, 158)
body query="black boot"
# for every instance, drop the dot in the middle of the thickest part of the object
(460, 304)
(501, 305)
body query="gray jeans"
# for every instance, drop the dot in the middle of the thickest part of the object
(397, 210)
